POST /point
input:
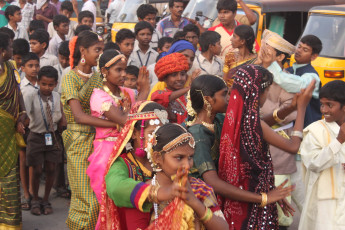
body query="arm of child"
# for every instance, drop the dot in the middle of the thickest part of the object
(249, 13)
(143, 83)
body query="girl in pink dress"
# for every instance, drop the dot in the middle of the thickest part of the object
(112, 102)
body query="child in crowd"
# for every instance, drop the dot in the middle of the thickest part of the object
(27, 10)
(61, 26)
(148, 13)
(179, 35)
(44, 11)
(63, 65)
(131, 78)
(143, 54)
(81, 28)
(86, 18)
(67, 10)
(7, 31)
(30, 67)
(125, 40)
(14, 16)
(323, 155)
(207, 61)
(44, 141)
(21, 47)
(39, 42)
(164, 44)
(111, 46)
(35, 25)
(192, 35)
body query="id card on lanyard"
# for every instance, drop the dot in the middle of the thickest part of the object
(48, 136)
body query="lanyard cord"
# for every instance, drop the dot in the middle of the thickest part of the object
(147, 60)
(197, 58)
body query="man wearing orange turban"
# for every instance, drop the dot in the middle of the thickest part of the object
(172, 69)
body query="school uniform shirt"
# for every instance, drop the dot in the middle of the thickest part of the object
(21, 32)
(90, 6)
(34, 111)
(139, 59)
(213, 68)
(72, 26)
(61, 72)
(167, 28)
(54, 45)
(48, 59)
(114, 9)
(27, 14)
(26, 87)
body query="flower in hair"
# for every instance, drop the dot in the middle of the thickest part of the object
(71, 45)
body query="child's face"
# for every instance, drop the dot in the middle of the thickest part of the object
(176, 81)
(63, 28)
(304, 54)
(17, 17)
(31, 68)
(220, 101)
(64, 61)
(190, 55)
(236, 41)
(216, 49)
(226, 17)
(144, 37)
(92, 53)
(47, 85)
(18, 59)
(130, 81)
(151, 18)
(116, 74)
(333, 111)
(87, 21)
(165, 48)
(67, 13)
(127, 46)
(192, 38)
(37, 47)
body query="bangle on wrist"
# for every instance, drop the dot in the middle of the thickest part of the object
(207, 216)
(153, 194)
(297, 134)
(263, 200)
(276, 118)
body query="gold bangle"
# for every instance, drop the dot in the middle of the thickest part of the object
(153, 195)
(276, 118)
(263, 200)
(22, 112)
(207, 216)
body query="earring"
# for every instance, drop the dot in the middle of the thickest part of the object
(140, 152)
(208, 108)
(104, 77)
(82, 61)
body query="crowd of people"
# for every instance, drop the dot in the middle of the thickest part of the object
(174, 126)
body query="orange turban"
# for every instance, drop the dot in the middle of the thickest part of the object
(171, 63)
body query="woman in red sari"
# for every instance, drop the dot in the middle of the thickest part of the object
(245, 161)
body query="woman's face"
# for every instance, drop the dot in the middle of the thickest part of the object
(182, 156)
(92, 53)
(236, 41)
(220, 101)
(263, 97)
(116, 74)
(176, 81)
(190, 55)
(147, 130)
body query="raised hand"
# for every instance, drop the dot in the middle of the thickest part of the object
(143, 83)
(279, 192)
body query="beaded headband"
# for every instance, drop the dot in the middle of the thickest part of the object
(115, 59)
(157, 116)
(265, 84)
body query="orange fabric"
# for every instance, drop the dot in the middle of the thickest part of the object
(169, 64)
(71, 46)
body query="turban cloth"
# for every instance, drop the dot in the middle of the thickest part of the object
(169, 64)
(178, 46)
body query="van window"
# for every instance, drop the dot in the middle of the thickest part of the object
(331, 31)
(128, 12)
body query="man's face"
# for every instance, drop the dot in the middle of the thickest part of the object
(177, 9)
(151, 18)
(87, 21)
(193, 38)
(226, 17)
(304, 54)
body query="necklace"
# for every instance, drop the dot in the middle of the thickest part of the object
(120, 101)
(87, 75)
(208, 125)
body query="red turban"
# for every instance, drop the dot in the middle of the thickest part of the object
(169, 64)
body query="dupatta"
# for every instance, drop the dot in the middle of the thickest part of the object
(245, 161)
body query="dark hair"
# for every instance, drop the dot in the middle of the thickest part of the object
(7, 31)
(64, 49)
(201, 87)
(162, 41)
(227, 5)
(28, 57)
(66, 5)
(5, 40)
(11, 10)
(334, 90)
(111, 46)
(167, 133)
(208, 38)
(145, 9)
(85, 14)
(267, 76)
(192, 28)
(124, 34)
(20, 46)
(133, 70)
(35, 25)
(59, 19)
(171, 2)
(286, 55)
(81, 28)
(314, 42)
(179, 35)
(147, 108)
(246, 33)
(49, 72)
(41, 36)
(107, 56)
(141, 26)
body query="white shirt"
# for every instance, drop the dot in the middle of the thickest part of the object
(213, 68)
(54, 45)
(139, 59)
(152, 75)
(26, 87)
(48, 59)
(61, 72)
(20, 32)
(114, 10)
(72, 26)
(90, 6)
(27, 14)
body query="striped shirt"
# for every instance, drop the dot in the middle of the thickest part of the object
(167, 28)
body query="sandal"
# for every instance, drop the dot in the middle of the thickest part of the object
(36, 207)
(63, 193)
(47, 208)
(26, 203)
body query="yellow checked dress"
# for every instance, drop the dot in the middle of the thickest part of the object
(78, 141)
